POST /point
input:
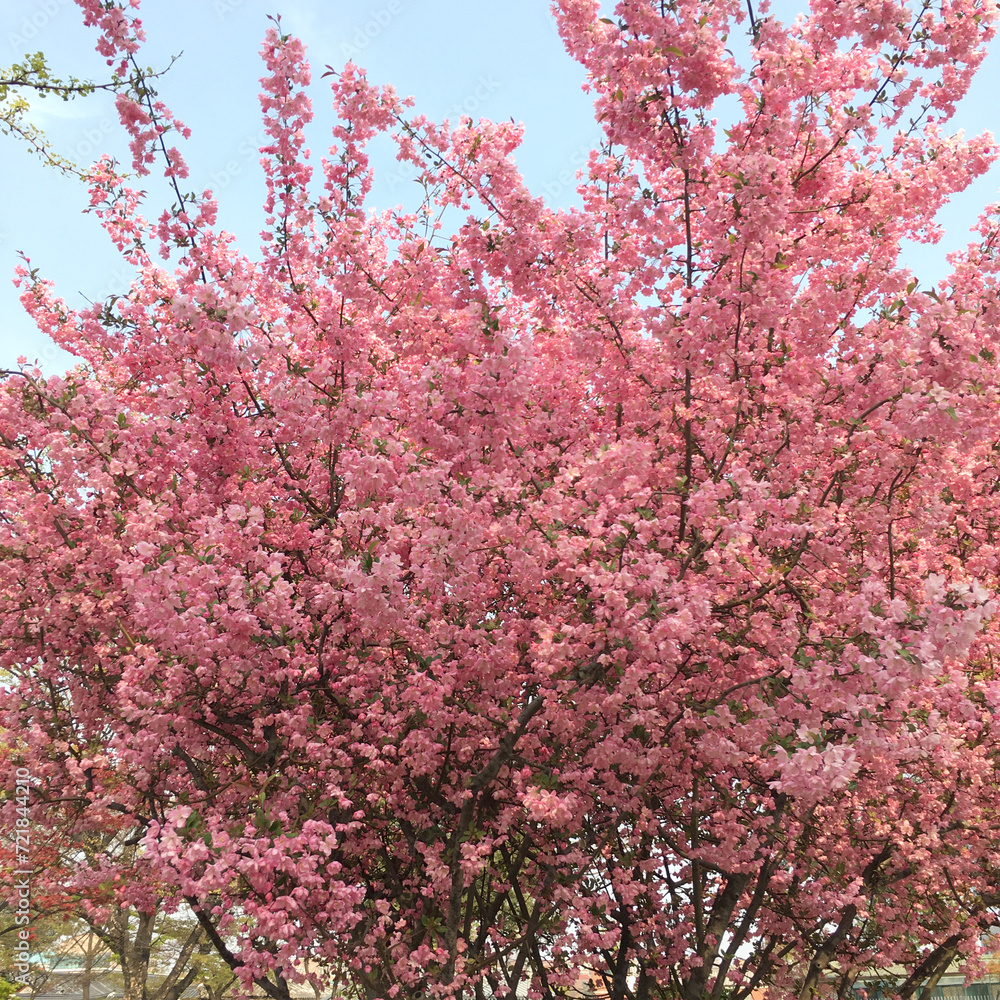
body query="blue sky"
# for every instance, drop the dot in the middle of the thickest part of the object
(497, 60)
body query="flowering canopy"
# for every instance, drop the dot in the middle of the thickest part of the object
(606, 591)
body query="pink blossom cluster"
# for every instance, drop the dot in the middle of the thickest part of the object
(470, 596)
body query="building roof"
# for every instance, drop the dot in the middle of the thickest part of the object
(68, 984)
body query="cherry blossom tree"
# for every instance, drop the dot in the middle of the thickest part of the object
(453, 609)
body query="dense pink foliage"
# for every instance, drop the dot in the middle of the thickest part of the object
(609, 589)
